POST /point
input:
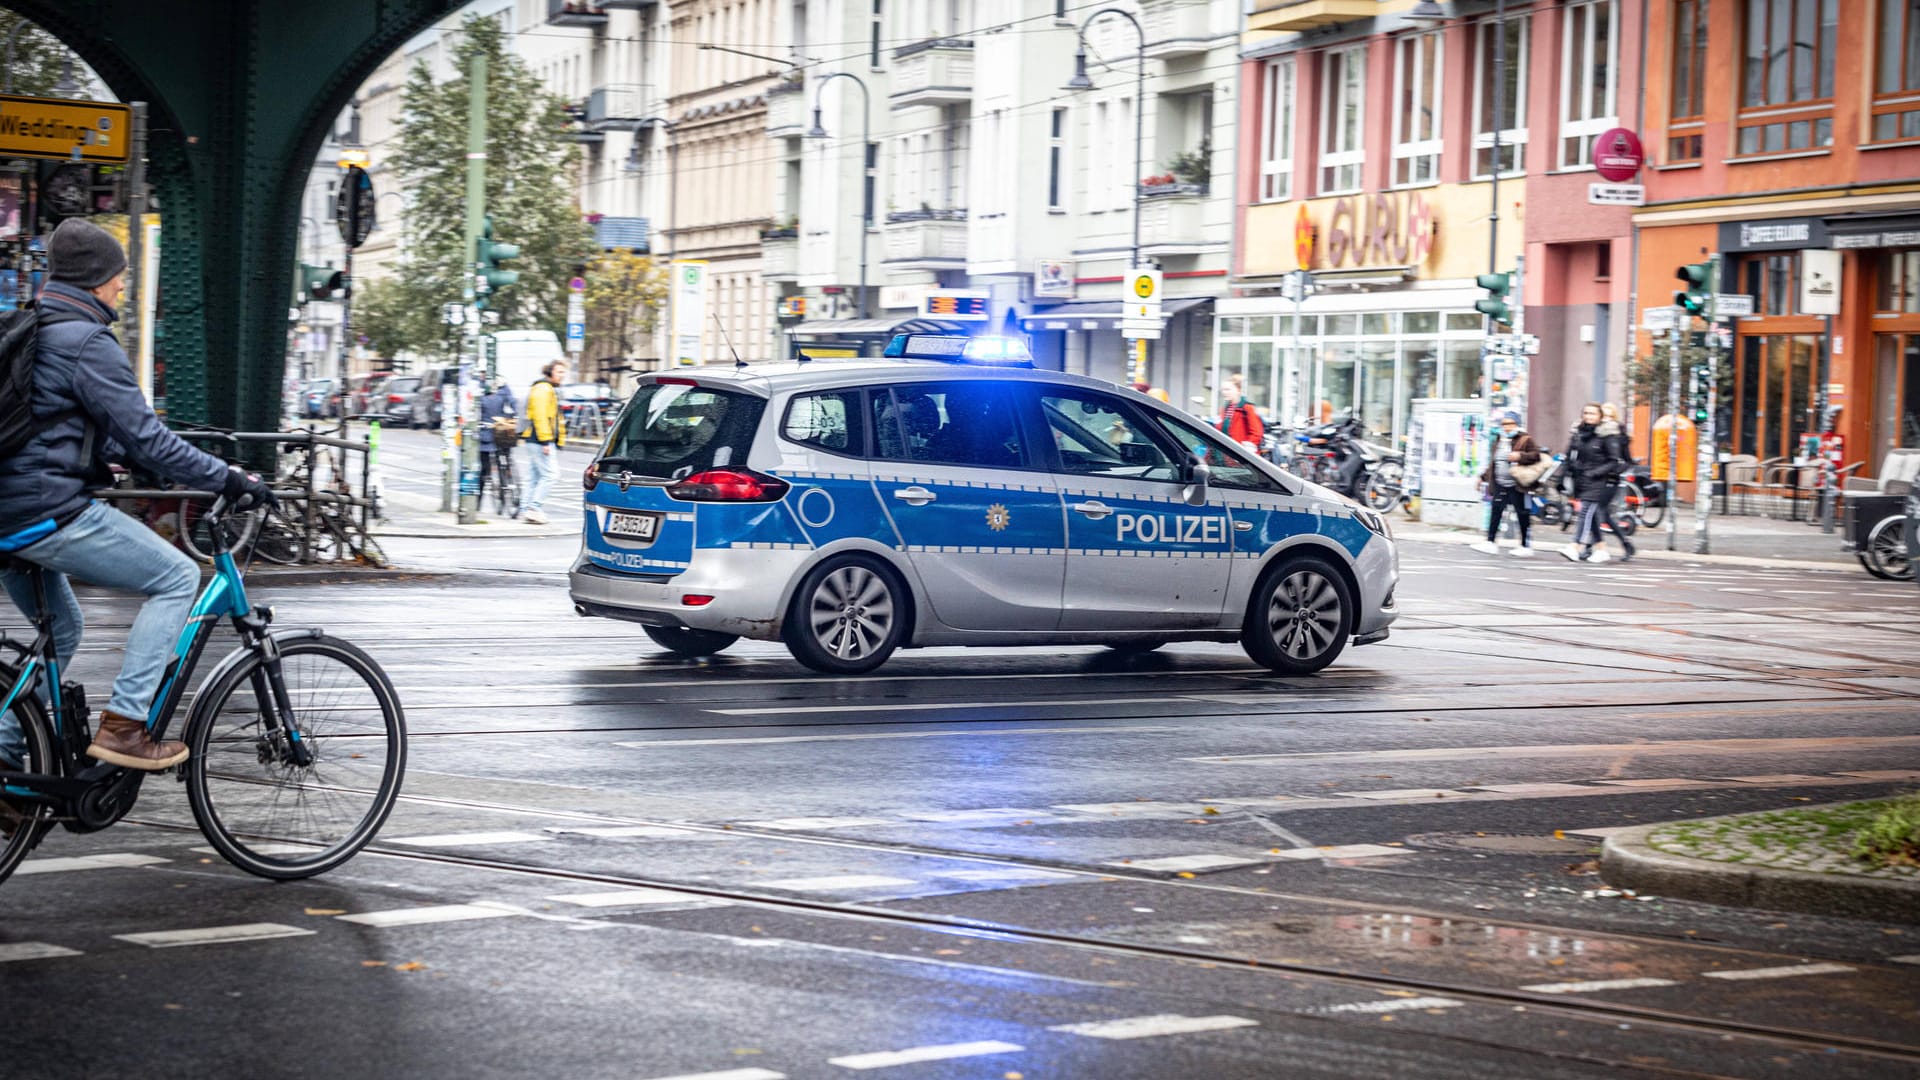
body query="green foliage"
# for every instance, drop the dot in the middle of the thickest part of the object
(38, 58)
(393, 320)
(531, 165)
(1193, 166)
(1649, 378)
(1892, 835)
(626, 294)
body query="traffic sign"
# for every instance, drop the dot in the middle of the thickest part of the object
(1660, 318)
(1133, 329)
(1514, 344)
(353, 207)
(64, 130)
(1732, 304)
(1617, 194)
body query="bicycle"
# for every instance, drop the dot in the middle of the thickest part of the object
(506, 486)
(290, 730)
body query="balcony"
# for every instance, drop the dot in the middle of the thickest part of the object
(780, 254)
(613, 108)
(624, 5)
(786, 110)
(925, 240)
(1175, 28)
(1297, 15)
(934, 72)
(575, 13)
(1170, 219)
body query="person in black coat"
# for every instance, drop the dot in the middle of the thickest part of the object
(1596, 456)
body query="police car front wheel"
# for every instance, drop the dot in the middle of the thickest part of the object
(1300, 617)
(847, 617)
(681, 641)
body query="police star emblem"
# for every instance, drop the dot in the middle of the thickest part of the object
(997, 517)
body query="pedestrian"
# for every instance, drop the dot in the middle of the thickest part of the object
(546, 431)
(496, 406)
(1514, 464)
(1595, 459)
(1238, 418)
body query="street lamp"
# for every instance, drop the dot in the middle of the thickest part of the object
(1080, 81)
(818, 131)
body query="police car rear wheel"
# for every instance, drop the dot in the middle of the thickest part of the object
(847, 617)
(1300, 618)
(681, 641)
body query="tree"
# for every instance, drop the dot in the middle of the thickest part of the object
(388, 314)
(531, 163)
(626, 293)
(39, 60)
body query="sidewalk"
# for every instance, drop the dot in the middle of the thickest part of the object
(1734, 541)
(413, 515)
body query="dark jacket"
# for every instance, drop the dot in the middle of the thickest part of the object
(492, 407)
(1596, 456)
(1523, 444)
(82, 368)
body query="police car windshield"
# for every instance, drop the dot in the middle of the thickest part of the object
(672, 430)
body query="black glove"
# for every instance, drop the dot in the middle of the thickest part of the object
(244, 490)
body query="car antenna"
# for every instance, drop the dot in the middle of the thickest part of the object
(737, 362)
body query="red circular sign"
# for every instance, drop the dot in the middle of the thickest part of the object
(1617, 155)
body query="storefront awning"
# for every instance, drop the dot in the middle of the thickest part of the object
(1098, 314)
(845, 328)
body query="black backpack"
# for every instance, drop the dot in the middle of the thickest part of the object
(19, 348)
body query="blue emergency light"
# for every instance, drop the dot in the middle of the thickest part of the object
(960, 348)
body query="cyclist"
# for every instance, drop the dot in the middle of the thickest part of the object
(85, 404)
(497, 405)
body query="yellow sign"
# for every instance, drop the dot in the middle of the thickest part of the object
(352, 156)
(65, 130)
(1144, 286)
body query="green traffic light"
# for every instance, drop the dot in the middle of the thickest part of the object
(320, 282)
(1697, 295)
(1495, 305)
(488, 254)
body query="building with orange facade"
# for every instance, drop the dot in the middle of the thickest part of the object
(1776, 128)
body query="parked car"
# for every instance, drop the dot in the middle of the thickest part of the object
(427, 403)
(317, 399)
(364, 392)
(398, 399)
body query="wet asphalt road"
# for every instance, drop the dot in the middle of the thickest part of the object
(1034, 863)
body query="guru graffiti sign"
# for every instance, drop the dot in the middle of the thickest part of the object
(1383, 229)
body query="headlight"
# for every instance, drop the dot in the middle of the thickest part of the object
(1373, 520)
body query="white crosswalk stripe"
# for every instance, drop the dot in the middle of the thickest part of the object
(1148, 1027)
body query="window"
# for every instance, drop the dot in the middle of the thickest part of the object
(1786, 76)
(1057, 161)
(1686, 116)
(1416, 110)
(1096, 435)
(1587, 79)
(1899, 288)
(828, 421)
(1896, 86)
(969, 423)
(1276, 130)
(868, 177)
(1773, 281)
(1121, 194)
(670, 431)
(1343, 120)
(1226, 467)
(1512, 101)
(873, 40)
(1100, 162)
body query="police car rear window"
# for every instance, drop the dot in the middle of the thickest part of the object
(673, 430)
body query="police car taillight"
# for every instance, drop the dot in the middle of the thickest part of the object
(591, 477)
(729, 485)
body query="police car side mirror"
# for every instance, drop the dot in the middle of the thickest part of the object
(1195, 475)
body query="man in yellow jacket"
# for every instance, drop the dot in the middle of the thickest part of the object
(546, 433)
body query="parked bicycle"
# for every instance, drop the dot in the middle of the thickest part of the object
(297, 740)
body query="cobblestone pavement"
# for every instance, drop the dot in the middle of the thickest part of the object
(1816, 839)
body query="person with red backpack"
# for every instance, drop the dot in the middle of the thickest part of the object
(68, 397)
(1238, 418)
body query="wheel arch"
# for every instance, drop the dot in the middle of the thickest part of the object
(891, 558)
(1295, 547)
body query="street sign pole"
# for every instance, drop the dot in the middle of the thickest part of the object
(1679, 334)
(466, 458)
(1703, 437)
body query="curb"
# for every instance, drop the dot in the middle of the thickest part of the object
(480, 532)
(1627, 861)
(1644, 552)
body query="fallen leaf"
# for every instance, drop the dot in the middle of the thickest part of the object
(171, 1005)
(326, 911)
(946, 952)
(1208, 810)
(747, 1051)
(1187, 873)
(1198, 821)
(206, 862)
(411, 965)
(1013, 1076)
(1559, 834)
(1776, 926)
(373, 963)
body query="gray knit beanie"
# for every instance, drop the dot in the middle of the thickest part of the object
(83, 254)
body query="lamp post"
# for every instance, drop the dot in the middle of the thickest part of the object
(1080, 81)
(866, 148)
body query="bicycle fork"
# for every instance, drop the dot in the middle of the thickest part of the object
(282, 738)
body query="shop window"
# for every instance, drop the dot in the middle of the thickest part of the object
(1896, 85)
(1422, 322)
(1512, 101)
(1419, 376)
(1774, 393)
(1276, 130)
(1686, 116)
(1416, 110)
(1899, 287)
(1587, 79)
(1343, 108)
(1377, 361)
(1462, 377)
(1772, 280)
(1786, 76)
(1341, 325)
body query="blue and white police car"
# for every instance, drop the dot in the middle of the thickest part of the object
(951, 494)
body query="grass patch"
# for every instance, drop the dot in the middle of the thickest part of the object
(1891, 837)
(1883, 833)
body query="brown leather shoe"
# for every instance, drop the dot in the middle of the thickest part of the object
(122, 740)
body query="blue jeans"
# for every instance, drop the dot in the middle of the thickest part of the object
(108, 548)
(543, 460)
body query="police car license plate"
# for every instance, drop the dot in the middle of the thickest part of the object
(633, 526)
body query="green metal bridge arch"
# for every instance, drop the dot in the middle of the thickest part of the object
(240, 95)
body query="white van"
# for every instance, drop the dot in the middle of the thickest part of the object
(521, 354)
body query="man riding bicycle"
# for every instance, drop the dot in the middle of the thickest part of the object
(85, 403)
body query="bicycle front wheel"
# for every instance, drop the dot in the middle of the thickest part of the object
(264, 809)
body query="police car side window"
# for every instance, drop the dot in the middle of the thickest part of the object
(959, 423)
(1227, 468)
(1096, 435)
(829, 420)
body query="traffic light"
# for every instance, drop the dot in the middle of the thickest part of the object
(1702, 391)
(1699, 293)
(320, 282)
(488, 254)
(1496, 305)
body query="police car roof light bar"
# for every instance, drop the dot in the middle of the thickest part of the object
(986, 349)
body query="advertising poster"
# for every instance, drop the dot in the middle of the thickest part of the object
(12, 199)
(689, 309)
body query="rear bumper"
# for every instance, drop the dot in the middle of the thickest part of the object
(746, 585)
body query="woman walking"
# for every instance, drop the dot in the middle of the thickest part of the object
(1596, 456)
(1513, 466)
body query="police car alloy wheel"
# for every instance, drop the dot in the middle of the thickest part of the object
(681, 641)
(847, 617)
(1300, 618)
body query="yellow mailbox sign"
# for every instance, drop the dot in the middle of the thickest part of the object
(63, 129)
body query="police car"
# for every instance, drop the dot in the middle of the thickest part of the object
(950, 494)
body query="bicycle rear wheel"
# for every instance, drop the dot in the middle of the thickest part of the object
(264, 811)
(33, 819)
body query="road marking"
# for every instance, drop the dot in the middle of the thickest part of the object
(729, 1074)
(1913, 959)
(33, 950)
(1687, 747)
(1147, 1027)
(886, 734)
(1141, 808)
(1777, 778)
(887, 1058)
(1884, 774)
(266, 849)
(86, 862)
(474, 839)
(1009, 874)
(630, 830)
(1011, 703)
(1393, 1005)
(990, 813)
(213, 935)
(421, 916)
(1653, 784)
(804, 823)
(1596, 986)
(1536, 789)
(624, 897)
(1787, 971)
(835, 882)
(1603, 831)
(1401, 793)
(1176, 863)
(1342, 851)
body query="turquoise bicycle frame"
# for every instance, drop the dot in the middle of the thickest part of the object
(225, 597)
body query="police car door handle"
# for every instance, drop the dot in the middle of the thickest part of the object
(914, 496)
(1095, 510)
(1243, 526)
